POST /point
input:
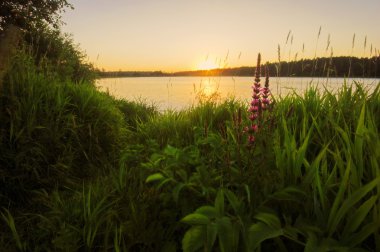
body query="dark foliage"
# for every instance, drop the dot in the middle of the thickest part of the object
(28, 13)
(55, 52)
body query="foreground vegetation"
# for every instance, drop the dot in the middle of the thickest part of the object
(81, 170)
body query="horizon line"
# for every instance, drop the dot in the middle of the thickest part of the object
(231, 67)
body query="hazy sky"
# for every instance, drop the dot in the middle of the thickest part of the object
(172, 35)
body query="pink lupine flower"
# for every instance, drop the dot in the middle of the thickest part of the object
(255, 102)
(265, 101)
(253, 109)
(256, 96)
(265, 90)
(251, 129)
(251, 139)
(254, 128)
(267, 78)
(260, 102)
(253, 116)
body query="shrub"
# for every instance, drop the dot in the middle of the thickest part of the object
(53, 132)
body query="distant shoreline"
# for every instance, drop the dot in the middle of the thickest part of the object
(232, 76)
(349, 67)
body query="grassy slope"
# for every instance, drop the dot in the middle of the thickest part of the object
(82, 171)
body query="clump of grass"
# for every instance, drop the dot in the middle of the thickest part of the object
(136, 113)
(53, 133)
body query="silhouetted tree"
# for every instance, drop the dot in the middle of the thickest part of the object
(27, 13)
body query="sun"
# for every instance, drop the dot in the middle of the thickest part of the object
(207, 65)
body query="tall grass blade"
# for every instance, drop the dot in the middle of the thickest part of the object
(347, 204)
(8, 218)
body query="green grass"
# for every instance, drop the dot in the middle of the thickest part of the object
(82, 171)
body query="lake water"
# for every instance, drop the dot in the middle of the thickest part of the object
(177, 93)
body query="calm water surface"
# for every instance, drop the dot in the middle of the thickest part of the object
(181, 92)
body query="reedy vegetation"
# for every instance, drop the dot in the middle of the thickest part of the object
(81, 170)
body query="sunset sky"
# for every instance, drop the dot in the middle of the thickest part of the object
(174, 35)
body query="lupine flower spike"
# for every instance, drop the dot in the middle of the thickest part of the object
(255, 108)
(260, 102)
(266, 91)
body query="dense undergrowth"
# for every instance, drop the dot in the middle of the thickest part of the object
(83, 171)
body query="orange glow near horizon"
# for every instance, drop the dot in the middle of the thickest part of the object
(207, 65)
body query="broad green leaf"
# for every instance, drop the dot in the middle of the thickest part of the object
(194, 239)
(211, 235)
(323, 244)
(289, 194)
(219, 203)
(269, 219)
(238, 228)
(171, 151)
(154, 177)
(176, 191)
(260, 232)
(311, 243)
(208, 211)
(163, 182)
(225, 234)
(182, 174)
(291, 232)
(196, 219)
(233, 200)
(154, 161)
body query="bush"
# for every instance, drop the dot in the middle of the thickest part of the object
(53, 132)
(55, 53)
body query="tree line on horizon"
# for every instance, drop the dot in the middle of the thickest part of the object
(342, 66)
